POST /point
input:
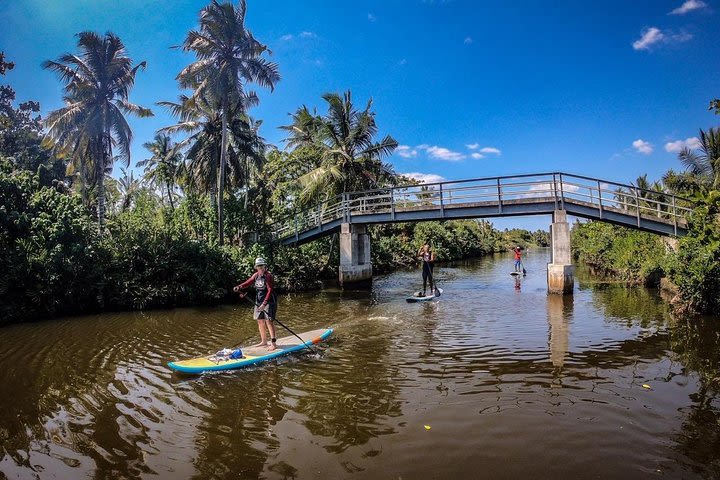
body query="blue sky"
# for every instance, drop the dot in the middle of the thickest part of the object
(597, 88)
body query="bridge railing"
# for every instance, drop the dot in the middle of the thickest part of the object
(496, 192)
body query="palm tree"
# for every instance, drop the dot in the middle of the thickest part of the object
(228, 57)
(201, 119)
(128, 187)
(705, 162)
(350, 159)
(92, 123)
(164, 167)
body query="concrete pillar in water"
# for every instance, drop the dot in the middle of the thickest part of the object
(560, 270)
(355, 263)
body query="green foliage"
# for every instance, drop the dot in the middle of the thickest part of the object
(695, 267)
(348, 157)
(48, 252)
(524, 238)
(396, 245)
(634, 256)
(153, 262)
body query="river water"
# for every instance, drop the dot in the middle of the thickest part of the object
(495, 380)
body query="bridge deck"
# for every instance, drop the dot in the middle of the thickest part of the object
(483, 198)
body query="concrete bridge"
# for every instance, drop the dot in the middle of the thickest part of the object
(556, 194)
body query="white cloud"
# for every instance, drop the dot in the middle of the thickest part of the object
(490, 150)
(442, 153)
(371, 17)
(476, 155)
(425, 177)
(472, 146)
(688, 6)
(649, 37)
(286, 37)
(652, 36)
(642, 146)
(307, 35)
(676, 146)
(546, 189)
(467, 41)
(406, 151)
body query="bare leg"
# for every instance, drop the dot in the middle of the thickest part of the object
(263, 335)
(271, 329)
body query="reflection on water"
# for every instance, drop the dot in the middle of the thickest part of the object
(513, 383)
(559, 314)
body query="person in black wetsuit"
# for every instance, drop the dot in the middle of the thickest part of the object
(265, 302)
(428, 261)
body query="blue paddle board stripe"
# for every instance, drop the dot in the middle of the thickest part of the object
(248, 363)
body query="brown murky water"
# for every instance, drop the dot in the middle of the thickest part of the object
(512, 383)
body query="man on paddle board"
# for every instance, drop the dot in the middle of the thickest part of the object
(428, 261)
(265, 301)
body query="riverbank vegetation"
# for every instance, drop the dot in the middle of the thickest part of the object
(692, 263)
(181, 226)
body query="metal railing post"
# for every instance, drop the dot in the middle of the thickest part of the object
(562, 194)
(674, 216)
(319, 220)
(442, 207)
(554, 189)
(499, 192)
(637, 206)
(392, 203)
(296, 228)
(599, 199)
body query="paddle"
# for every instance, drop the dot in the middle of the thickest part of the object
(285, 327)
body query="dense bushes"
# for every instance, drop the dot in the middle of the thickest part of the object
(49, 254)
(634, 256)
(695, 267)
(53, 261)
(638, 257)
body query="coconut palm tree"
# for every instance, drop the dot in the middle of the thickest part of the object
(705, 161)
(128, 187)
(201, 119)
(228, 57)
(92, 125)
(164, 166)
(350, 158)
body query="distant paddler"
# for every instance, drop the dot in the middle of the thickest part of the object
(428, 262)
(518, 260)
(265, 302)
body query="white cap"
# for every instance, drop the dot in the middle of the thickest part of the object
(260, 261)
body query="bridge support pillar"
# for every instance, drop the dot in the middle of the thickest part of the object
(560, 270)
(355, 263)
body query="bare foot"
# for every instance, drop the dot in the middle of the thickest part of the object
(272, 347)
(257, 345)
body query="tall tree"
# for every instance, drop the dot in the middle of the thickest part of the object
(164, 166)
(201, 119)
(228, 57)
(91, 125)
(349, 157)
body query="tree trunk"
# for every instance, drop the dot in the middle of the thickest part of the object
(223, 161)
(169, 190)
(100, 178)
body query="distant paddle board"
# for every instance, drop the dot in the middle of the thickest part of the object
(514, 273)
(413, 298)
(251, 356)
